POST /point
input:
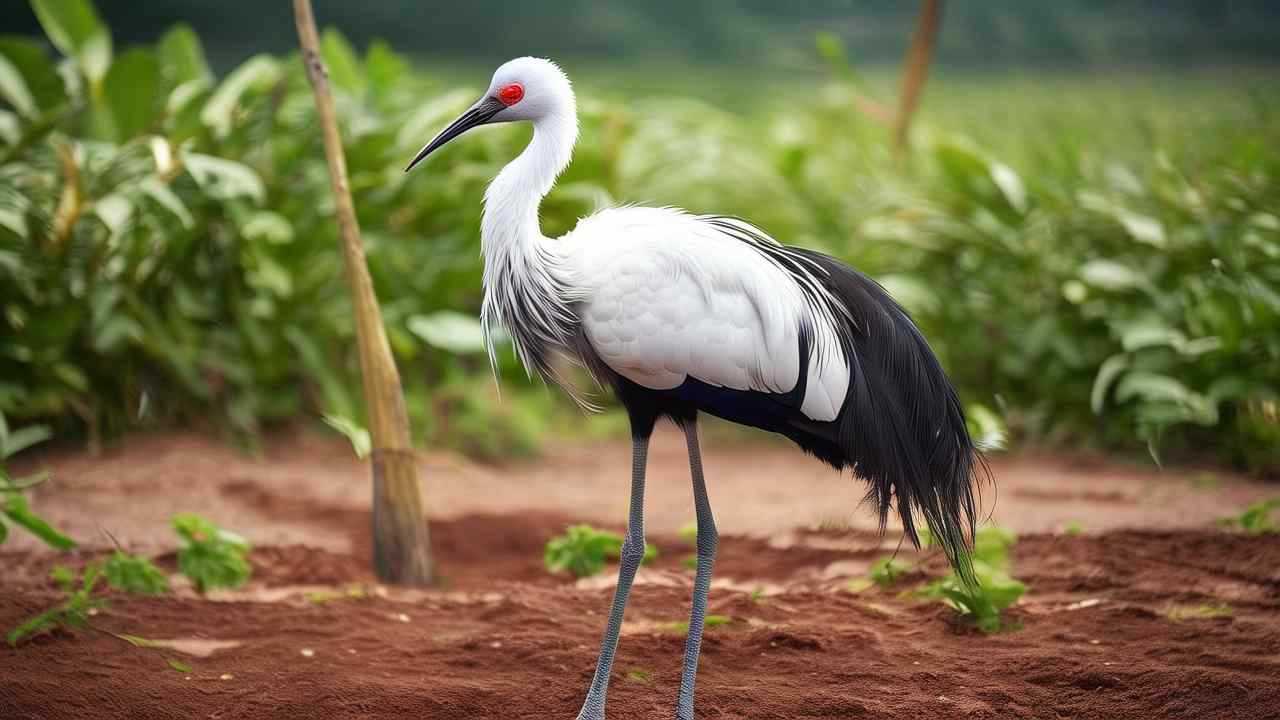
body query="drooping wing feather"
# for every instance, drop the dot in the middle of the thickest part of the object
(667, 296)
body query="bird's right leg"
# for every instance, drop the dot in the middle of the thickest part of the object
(632, 554)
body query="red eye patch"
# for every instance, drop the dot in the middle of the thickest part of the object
(511, 94)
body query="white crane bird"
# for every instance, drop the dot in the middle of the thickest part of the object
(680, 313)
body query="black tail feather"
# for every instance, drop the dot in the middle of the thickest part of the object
(902, 427)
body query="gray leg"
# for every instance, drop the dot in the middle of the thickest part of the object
(632, 554)
(708, 540)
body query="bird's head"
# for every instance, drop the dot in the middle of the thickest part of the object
(526, 88)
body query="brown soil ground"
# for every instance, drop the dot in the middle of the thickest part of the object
(1113, 625)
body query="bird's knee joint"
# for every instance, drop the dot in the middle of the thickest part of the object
(632, 549)
(708, 543)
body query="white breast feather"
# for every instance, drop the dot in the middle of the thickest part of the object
(665, 296)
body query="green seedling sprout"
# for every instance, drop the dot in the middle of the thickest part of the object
(210, 556)
(70, 614)
(583, 550)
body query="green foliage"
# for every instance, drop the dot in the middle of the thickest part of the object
(361, 440)
(1256, 519)
(885, 572)
(72, 613)
(1206, 611)
(134, 574)
(583, 550)
(13, 505)
(997, 589)
(210, 556)
(710, 621)
(168, 251)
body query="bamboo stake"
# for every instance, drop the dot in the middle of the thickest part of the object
(919, 55)
(401, 544)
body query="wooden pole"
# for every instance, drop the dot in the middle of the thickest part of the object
(401, 544)
(919, 55)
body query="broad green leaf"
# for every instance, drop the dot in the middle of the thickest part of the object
(1142, 228)
(1111, 275)
(912, 292)
(224, 179)
(153, 188)
(14, 442)
(342, 62)
(269, 227)
(74, 28)
(1150, 334)
(359, 436)
(114, 332)
(182, 57)
(449, 330)
(1151, 386)
(20, 514)
(1107, 373)
(1010, 186)
(986, 427)
(114, 211)
(69, 24)
(14, 90)
(38, 71)
(132, 91)
(10, 130)
(257, 73)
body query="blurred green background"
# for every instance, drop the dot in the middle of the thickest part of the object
(1087, 224)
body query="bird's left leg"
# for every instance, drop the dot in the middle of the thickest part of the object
(632, 556)
(708, 540)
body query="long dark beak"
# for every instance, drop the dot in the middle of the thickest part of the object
(478, 114)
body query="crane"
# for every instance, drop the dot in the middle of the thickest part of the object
(680, 314)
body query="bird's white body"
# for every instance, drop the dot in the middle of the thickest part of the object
(666, 296)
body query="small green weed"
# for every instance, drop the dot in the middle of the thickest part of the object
(210, 556)
(689, 533)
(1204, 611)
(583, 550)
(710, 621)
(1256, 519)
(350, 592)
(997, 589)
(887, 571)
(135, 574)
(1072, 528)
(644, 677)
(71, 613)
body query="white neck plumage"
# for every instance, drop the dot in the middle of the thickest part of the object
(523, 291)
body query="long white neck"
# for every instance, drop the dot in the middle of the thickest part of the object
(511, 201)
(522, 289)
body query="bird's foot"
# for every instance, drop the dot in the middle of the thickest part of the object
(591, 711)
